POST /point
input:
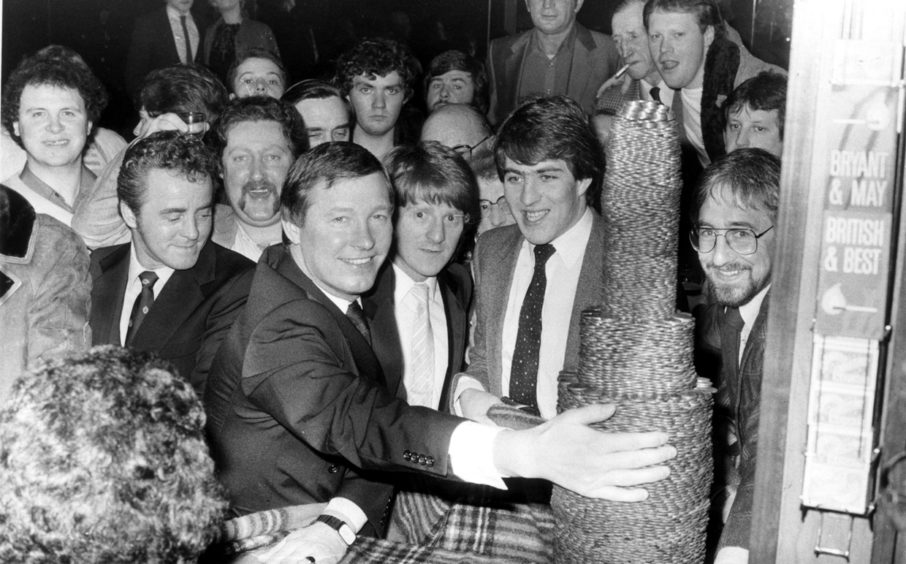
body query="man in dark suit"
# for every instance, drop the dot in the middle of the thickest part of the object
(421, 299)
(167, 36)
(297, 403)
(736, 211)
(171, 290)
(552, 169)
(557, 56)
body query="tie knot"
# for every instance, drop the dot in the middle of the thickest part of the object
(656, 94)
(420, 292)
(148, 278)
(355, 310)
(733, 318)
(542, 253)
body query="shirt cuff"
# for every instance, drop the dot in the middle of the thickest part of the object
(472, 454)
(732, 555)
(464, 383)
(348, 511)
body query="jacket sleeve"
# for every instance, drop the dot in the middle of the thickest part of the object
(96, 217)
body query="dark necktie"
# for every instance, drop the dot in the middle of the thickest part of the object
(677, 107)
(656, 94)
(357, 317)
(142, 304)
(185, 33)
(730, 331)
(524, 372)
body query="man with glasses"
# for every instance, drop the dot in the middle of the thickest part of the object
(460, 127)
(734, 235)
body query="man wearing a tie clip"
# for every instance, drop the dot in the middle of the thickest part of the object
(735, 235)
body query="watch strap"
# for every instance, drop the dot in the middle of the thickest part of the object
(340, 526)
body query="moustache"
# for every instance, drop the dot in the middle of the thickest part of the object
(259, 186)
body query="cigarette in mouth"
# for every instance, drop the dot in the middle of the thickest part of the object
(622, 71)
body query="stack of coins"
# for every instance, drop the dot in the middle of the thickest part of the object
(636, 352)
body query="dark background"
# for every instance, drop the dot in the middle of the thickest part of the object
(100, 29)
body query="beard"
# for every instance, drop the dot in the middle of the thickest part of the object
(738, 292)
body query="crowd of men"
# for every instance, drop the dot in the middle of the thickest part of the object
(351, 288)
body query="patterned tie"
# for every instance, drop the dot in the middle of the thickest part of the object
(185, 33)
(677, 107)
(524, 373)
(357, 317)
(656, 94)
(420, 381)
(142, 304)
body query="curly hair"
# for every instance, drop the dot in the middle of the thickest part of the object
(377, 57)
(103, 459)
(457, 60)
(58, 66)
(750, 176)
(168, 150)
(262, 108)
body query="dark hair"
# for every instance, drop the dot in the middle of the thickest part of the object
(314, 89)
(325, 163)
(255, 53)
(103, 459)
(261, 108)
(168, 150)
(552, 128)
(434, 173)
(752, 176)
(377, 57)
(706, 12)
(183, 89)
(457, 60)
(58, 66)
(483, 163)
(766, 91)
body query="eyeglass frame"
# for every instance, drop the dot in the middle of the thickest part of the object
(463, 150)
(493, 204)
(722, 232)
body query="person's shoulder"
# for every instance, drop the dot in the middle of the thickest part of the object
(496, 242)
(229, 262)
(508, 41)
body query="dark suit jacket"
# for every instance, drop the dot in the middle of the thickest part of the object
(152, 47)
(595, 59)
(455, 285)
(298, 411)
(493, 266)
(189, 317)
(251, 35)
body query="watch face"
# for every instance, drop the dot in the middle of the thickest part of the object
(346, 534)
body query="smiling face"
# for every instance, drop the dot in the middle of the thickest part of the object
(631, 40)
(735, 279)
(345, 235)
(678, 47)
(257, 76)
(452, 87)
(377, 102)
(426, 237)
(545, 198)
(326, 119)
(753, 128)
(174, 220)
(52, 124)
(255, 161)
(553, 16)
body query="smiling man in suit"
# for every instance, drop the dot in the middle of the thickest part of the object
(171, 290)
(421, 297)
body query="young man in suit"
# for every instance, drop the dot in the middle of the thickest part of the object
(167, 36)
(552, 169)
(298, 408)
(556, 56)
(736, 210)
(170, 290)
(421, 297)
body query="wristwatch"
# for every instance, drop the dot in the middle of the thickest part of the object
(345, 531)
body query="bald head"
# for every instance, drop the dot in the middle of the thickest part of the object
(458, 126)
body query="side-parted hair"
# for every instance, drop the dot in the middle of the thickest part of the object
(325, 164)
(315, 89)
(255, 53)
(706, 12)
(261, 108)
(766, 91)
(483, 163)
(457, 60)
(750, 176)
(551, 128)
(377, 57)
(436, 174)
(58, 66)
(178, 152)
(103, 459)
(183, 89)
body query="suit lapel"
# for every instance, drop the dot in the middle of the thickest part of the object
(581, 63)
(513, 67)
(588, 292)
(456, 319)
(107, 293)
(498, 276)
(381, 312)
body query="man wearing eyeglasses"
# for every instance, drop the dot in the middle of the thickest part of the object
(460, 127)
(734, 235)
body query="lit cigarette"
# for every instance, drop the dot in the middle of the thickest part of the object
(622, 71)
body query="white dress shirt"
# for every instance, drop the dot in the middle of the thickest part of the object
(134, 289)
(749, 313)
(405, 322)
(179, 37)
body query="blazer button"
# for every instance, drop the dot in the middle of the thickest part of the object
(407, 455)
(333, 469)
(422, 460)
(430, 461)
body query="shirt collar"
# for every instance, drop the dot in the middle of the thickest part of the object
(173, 13)
(567, 41)
(571, 244)
(135, 268)
(404, 284)
(749, 310)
